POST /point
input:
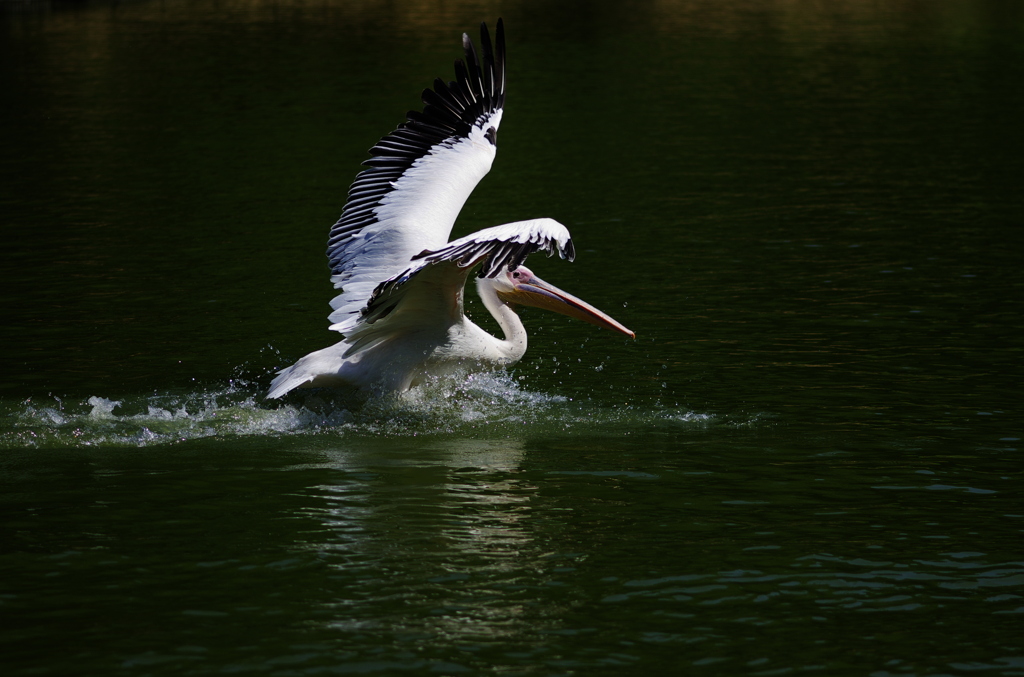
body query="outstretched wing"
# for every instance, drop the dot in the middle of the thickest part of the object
(430, 290)
(420, 176)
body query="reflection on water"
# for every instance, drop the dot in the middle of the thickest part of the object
(453, 518)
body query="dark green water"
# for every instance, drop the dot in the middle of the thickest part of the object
(808, 461)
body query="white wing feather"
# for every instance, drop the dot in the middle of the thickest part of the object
(419, 179)
(418, 214)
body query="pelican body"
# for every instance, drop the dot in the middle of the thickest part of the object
(400, 309)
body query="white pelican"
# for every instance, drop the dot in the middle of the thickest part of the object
(400, 310)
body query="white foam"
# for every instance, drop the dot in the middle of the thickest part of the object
(496, 402)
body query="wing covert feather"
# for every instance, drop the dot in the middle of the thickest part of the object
(505, 246)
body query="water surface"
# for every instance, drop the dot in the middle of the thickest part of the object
(808, 461)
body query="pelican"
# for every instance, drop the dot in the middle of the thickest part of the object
(400, 309)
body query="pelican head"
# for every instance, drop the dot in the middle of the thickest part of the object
(521, 287)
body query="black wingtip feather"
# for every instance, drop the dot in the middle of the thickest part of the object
(568, 251)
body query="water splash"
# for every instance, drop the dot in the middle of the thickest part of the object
(495, 402)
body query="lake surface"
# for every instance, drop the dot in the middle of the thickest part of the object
(809, 460)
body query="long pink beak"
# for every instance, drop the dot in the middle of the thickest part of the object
(539, 294)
